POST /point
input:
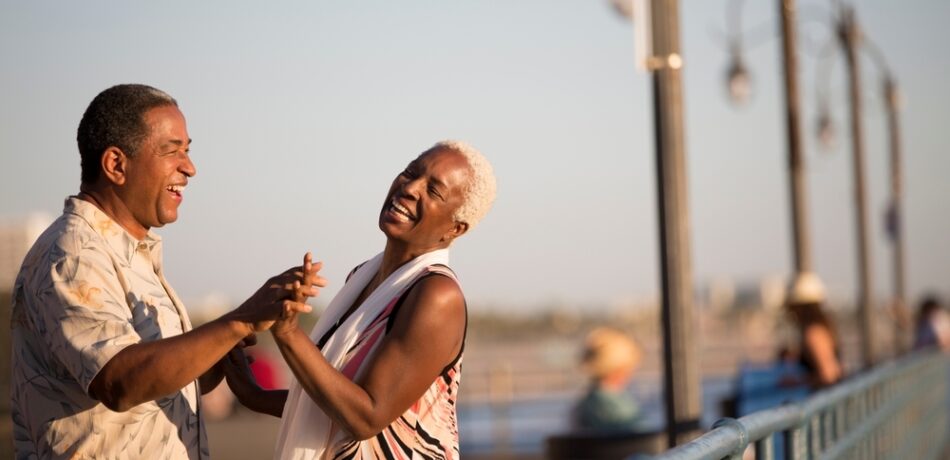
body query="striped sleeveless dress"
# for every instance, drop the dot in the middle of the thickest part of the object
(429, 429)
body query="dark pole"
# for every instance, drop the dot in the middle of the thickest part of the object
(801, 246)
(681, 377)
(897, 216)
(850, 39)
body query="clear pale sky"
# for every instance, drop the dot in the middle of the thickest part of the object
(303, 112)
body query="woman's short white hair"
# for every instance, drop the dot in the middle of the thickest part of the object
(480, 193)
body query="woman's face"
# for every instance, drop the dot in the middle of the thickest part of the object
(421, 202)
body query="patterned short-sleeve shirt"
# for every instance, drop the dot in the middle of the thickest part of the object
(86, 290)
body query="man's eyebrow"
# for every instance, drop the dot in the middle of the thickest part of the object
(179, 142)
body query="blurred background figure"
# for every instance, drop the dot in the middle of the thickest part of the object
(265, 369)
(610, 358)
(218, 404)
(933, 325)
(818, 350)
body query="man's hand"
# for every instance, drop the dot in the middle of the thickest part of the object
(248, 392)
(302, 290)
(236, 369)
(280, 297)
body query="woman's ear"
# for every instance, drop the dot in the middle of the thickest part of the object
(457, 230)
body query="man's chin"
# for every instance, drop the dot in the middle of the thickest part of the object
(165, 220)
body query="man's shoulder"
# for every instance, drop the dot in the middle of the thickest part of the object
(69, 236)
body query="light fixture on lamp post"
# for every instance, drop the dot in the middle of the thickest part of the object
(825, 128)
(738, 80)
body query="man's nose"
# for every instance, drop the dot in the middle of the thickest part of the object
(187, 167)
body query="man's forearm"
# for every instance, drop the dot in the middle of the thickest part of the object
(147, 371)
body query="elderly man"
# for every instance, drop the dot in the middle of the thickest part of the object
(105, 361)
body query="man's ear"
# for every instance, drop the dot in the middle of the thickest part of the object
(115, 164)
(456, 231)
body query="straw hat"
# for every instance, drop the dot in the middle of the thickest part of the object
(608, 350)
(806, 288)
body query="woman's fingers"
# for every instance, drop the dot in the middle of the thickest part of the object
(293, 308)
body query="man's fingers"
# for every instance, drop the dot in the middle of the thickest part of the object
(248, 341)
(236, 356)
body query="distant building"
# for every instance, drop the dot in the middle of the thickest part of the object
(16, 238)
(724, 294)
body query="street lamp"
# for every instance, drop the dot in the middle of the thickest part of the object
(853, 40)
(739, 88)
(661, 56)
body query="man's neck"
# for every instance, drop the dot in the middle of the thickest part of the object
(109, 203)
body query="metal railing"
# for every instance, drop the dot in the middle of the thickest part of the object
(896, 410)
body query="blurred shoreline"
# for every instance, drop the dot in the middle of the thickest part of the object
(520, 376)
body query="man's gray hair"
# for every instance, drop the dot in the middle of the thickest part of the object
(479, 194)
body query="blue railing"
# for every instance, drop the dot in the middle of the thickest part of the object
(896, 410)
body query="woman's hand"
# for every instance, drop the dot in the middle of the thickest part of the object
(305, 287)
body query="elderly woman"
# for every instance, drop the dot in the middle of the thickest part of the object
(379, 374)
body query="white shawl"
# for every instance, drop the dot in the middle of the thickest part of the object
(305, 430)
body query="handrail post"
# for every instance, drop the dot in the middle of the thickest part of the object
(795, 443)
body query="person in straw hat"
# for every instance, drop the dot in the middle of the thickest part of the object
(610, 358)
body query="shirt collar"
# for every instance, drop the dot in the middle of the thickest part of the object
(117, 237)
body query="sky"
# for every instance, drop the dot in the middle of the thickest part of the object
(303, 112)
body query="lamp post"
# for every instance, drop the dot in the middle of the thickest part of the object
(682, 381)
(894, 215)
(800, 236)
(849, 36)
(895, 210)
(739, 86)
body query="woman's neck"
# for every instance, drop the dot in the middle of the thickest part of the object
(397, 253)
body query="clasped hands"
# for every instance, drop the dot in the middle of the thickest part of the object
(277, 303)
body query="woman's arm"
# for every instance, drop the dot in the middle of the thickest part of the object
(819, 341)
(426, 336)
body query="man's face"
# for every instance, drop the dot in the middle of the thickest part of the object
(157, 175)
